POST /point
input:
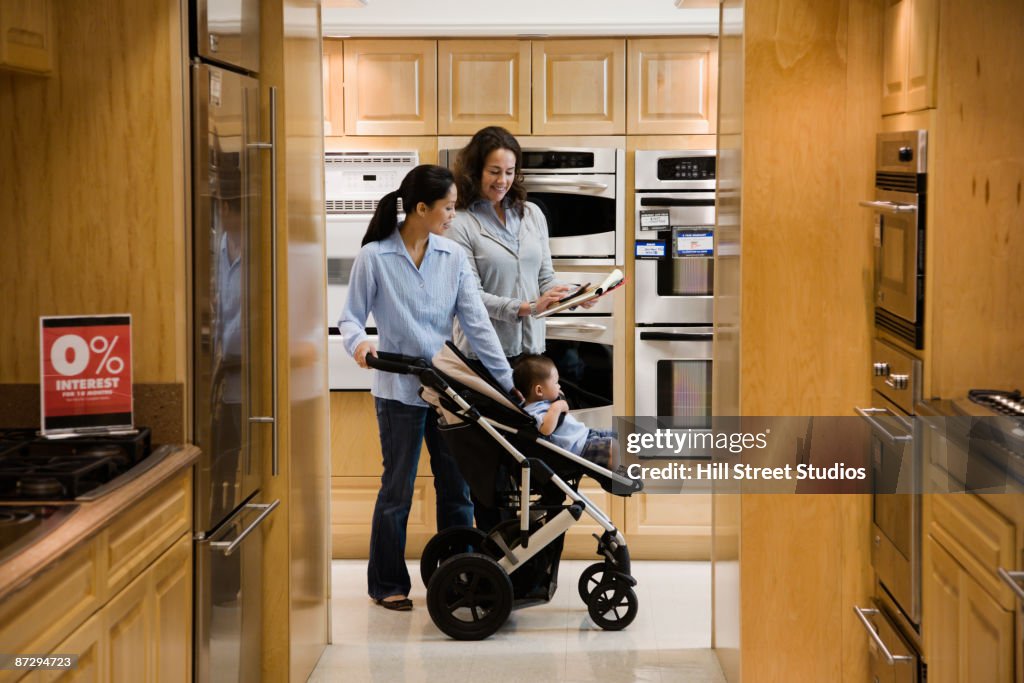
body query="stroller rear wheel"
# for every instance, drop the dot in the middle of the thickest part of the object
(590, 579)
(469, 596)
(612, 605)
(449, 543)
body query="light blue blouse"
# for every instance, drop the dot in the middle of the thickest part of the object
(414, 309)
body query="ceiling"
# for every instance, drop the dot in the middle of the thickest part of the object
(527, 18)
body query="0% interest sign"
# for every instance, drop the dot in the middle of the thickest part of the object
(86, 377)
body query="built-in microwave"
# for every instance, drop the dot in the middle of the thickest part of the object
(899, 233)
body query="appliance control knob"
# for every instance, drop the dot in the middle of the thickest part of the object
(898, 381)
(906, 154)
(881, 369)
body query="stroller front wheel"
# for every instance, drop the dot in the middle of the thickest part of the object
(469, 596)
(590, 579)
(613, 605)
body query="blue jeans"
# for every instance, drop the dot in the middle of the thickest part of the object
(402, 430)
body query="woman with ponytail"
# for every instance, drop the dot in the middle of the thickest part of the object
(415, 282)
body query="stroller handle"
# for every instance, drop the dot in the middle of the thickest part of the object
(397, 363)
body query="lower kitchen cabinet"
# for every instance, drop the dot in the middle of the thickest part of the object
(144, 633)
(970, 618)
(970, 636)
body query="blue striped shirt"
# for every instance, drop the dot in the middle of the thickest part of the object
(414, 309)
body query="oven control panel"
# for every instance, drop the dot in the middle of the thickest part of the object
(896, 375)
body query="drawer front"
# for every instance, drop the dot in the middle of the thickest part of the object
(140, 535)
(979, 538)
(35, 619)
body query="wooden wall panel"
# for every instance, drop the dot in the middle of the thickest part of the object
(978, 202)
(91, 162)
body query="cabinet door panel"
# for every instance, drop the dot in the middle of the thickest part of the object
(922, 54)
(579, 87)
(390, 87)
(129, 633)
(334, 87)
(483, 83)
(942, 613)
(894, 56)
(672, 86)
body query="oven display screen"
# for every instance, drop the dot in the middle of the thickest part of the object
(555, 160)
(694, 243)
(650, 249)
(686, 168)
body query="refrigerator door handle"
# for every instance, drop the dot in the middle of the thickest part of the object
(228, 547)
(272, 418)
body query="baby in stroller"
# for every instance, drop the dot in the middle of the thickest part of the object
(475, 577)
(536, 378)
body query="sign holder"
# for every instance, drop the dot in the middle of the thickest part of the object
(85, 375)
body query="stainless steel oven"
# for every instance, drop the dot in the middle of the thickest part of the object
(896, 476)
(674, 231)
(583, 349)
(899, 206)
(581, 191)
(673, 373)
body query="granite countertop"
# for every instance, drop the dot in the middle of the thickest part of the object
(90, 517)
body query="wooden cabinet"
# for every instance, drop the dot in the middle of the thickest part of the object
(909, 55)
(334, 86)
(122, 601)
(390, 87)
(969, 627)
(579, 87)
(144, 633)
(27, 35)
(672, 86)
(483, 83)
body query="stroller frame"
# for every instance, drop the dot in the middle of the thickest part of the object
(606, 587)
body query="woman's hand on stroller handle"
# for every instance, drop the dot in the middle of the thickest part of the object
(364, 349)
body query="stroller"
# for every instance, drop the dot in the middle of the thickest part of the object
(475, 579)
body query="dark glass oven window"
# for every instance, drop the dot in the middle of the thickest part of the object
(584, 371)
(572, 215)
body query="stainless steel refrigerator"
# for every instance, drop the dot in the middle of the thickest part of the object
(232, 328)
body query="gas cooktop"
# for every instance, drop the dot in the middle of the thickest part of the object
(34, 469)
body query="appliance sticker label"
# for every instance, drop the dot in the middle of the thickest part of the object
(695, 243)
(215, 83)
(653, 220)
(650, 249)
(85, 373)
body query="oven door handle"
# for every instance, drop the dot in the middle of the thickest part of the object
(1014, 581)
(862, 614)
(677, 336)
(579, 327)
(889, 207)
(540, 183)
(867, 414)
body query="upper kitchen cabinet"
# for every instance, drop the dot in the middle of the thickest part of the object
(334, 87)
(26, 35)
(672, 86)
(483, 83)
(909, 55)
(579, 87)
(390, 87)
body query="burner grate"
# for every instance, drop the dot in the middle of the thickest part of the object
(1003, 402)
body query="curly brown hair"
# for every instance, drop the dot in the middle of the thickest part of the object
(469, 166)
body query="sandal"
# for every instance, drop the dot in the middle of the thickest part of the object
(400, 605)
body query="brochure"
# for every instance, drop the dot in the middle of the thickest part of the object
(588, 291)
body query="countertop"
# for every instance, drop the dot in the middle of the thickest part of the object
(90, 517)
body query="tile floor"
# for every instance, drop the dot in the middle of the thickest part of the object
(668, 642)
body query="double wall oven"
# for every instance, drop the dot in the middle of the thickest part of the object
(674, 288)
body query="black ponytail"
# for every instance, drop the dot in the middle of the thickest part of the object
(426, 183)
